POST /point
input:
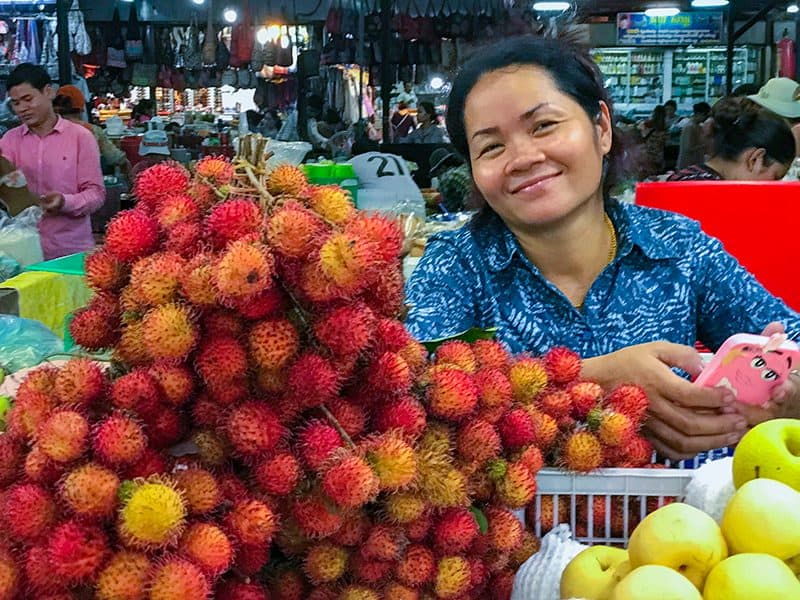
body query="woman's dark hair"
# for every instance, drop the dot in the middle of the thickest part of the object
(658, 120)
(253, 119)
(572, 69)
(34, 75)
(276, 118)
(429, 108)
(740, 124)
(143, 107)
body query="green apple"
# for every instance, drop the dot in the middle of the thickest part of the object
(750, 577)
(763, 517)
(770, 450)
(590, 575)
(680, 537)
(655, 582)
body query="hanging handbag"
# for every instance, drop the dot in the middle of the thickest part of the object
(223, 53)
(242, 40)
(285, 48)
(192, 56)
(210, 40)
(134, 47)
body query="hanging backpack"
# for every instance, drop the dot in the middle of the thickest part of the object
(210, 40)
(242, 40)
(134, 46)
(223, 55)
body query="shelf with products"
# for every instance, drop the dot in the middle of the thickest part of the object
(699, 74)
(632, 75)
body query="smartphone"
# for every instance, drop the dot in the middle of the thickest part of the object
(751, 366)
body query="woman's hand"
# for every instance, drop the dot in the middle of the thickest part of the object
(683, 419)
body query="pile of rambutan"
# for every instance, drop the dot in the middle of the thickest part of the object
(268, 428)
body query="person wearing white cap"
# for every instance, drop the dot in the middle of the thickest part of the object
(154, 148)
(781, 96)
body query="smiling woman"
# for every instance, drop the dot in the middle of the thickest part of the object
(552, 260)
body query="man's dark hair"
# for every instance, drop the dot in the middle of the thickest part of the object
(31, 74)
(671, 103)
(702, 109)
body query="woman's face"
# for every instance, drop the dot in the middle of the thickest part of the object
(536, 155)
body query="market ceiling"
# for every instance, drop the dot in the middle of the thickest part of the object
(311, 10)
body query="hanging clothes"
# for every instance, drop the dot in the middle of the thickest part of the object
(34, 48)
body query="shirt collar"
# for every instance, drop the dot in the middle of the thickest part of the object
(58, 128)
(499, 245)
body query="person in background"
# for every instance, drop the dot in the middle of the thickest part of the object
(142, 112)
(402, 122)
(551, 259)
(748, 143)
(154, 148)
(270, 124)
(654, 135)
(694, 143)
(69, 103)
(670, 113)
(428, 131)
(408, 96)
(60, 161)
(781, 96)
(314, 108)
(331, 124)
(453, 179)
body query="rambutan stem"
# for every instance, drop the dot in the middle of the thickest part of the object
(329, 415)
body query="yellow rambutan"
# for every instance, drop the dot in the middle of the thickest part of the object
(453, 577)
(404, 507)
(197, 281)
(286, 180)
(325, 563)
(216, 169)
(169, 332)
(131, 349)
(153, 515)
(207, 546)
(273, 343)
(349, 261)
(528, 378)
(332, 203)
(176, 208)
(199, 488)
(90, 491)
(392, 459)
(243, 270)
(155, 279)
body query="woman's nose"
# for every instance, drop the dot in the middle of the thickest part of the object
(523, 153)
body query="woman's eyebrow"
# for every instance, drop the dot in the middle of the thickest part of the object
(523, 117)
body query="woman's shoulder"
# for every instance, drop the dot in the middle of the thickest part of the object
(665, 233)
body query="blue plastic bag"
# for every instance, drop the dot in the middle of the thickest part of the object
(25, 343)
(8, 267)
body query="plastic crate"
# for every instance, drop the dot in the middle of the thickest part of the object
(622, 497)
(66, 265)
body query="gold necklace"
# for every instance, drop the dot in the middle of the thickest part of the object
(612, 250)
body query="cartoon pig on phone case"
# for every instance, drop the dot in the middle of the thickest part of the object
(751, 366)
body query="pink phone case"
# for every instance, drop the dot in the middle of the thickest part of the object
(751, 366)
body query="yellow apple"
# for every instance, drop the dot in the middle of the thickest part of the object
(622, 570)
(770, 450)
(655, 582)
(590, 575)
(763, 517)
(751, 577)
(680, 537)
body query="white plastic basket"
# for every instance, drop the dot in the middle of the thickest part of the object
(620, 497)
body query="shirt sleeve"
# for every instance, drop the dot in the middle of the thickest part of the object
(441, 292)
(731, 300)
(91, 191)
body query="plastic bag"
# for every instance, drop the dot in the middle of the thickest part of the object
(25, 343)
(539, 577)
(291, 153)
(8, 267)
(19, 236)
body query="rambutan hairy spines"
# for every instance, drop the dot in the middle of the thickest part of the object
(10, 575)
(350, 416)
(251, 522)
(80, 382)
(178, 578)
(348, 480)
(221, 360)
(517, 429)
(233, 220)
(383, 232)
(94, 329)
(491, 354)
(90, 491)
(528, 378)
(586, 395)
(77, 551)
(273, 343)
(279, 475)
(104, 272)
(316, 516)
(393, 460)
(254, 429)
(27, 414)
(11, 458)
(175, 209)
(208, 547)
(29, 512)
(453, 577)
(176, 382)
(153, 515)
(389, 374)
(562, 364)
(616, 429)
(287, 180)
(119, 440)
(123, 577)
(239, 590)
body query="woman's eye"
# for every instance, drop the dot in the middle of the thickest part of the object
(488, 149)
(757, 362)
(543, 126)
(769, 375)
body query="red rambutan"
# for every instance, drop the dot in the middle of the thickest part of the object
(354, 529)
(383, 232)
(77, 551)
(251, 522)
(175, 382)
(638, 452)
(278, 475)
(250, 560)
(454, 531)
(119, 440)
(39, 572)
(10, 575)
(233, 220)
(333, 203)
(40, 469)
(29, 411)
(505, 530)
(417, 566)
(517, 429)
(29, 512)
(349, 481)
(351, 416)
(160, 181)
(197, 281)
(93, 329)
(63, 437)
(221, 360)
(384, 543)
(516, 488)
(164, 428)
(130, 235)
(491, 354)
(452, 394)
(286, 180)
(253, 429)
(585, 395)
(270, 302)
(184, 239)
(389, 374)
(177, 578)
(347, 330)
(316, 442)
(124, 577)
(104, 272)
(532, 458)
(239, 590)
(556, 403)
(616, 429)
(80, 381)
(152, 462)
(418, 529)
(90, 491)
(545, 428)
(11, 456)
(294, 231)
(199, 488)
(273, 343)
(222, 323)
(392, 458)
(176, 208)
(316, 517)
(457, 354)
(478, 441)
(208, 547)
(563, 365)
(137, 392)
(216, 169)
(630, 400)
(349, 261)
(405, 414)
(312, 380)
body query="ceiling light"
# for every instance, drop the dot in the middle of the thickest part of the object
(262, 36)
(198, 1)
(550, 6)
(437, 83)
(792, 8)
(664, 11)
(709, 3)
(230, 16)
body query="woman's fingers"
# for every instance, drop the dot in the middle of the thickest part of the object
(693, 424)
(678, 445)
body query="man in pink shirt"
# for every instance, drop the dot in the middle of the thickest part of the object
(60, 160)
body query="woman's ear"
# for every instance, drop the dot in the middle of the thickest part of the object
(604, 128)
(755, 159)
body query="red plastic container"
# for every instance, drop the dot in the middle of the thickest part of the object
(756, 221)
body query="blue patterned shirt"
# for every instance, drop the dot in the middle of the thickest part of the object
(669, 281)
